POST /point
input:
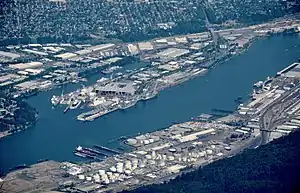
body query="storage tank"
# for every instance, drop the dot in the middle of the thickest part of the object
(228, 148)
(146, 142)
(158, 156)
(209, 151)
(151, 162)
(135, 161)
(131, 141)
(161, 163)
(153, 155)
(101, 172)
(120, 170)
(171, 158)
(201, 154)
(81, 177)
(88, 178)
(113, 169)
(106, 181)
(142, 165)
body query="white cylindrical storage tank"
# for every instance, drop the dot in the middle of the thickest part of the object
(127, 172)
(120, 170)
(81, 177)
(113, 169)
(142, 165)
(106, 181)
(88, 178)
(120, 164)
(101, 172)
(171, 158)
(153, 155)
(161, 163)
(201, 154)
(151, 162)
(228, 148)
(131, 141)
(158, 156)
(209, 151)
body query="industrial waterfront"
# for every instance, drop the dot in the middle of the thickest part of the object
(217, 89)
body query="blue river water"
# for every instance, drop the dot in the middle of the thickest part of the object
(56, 134)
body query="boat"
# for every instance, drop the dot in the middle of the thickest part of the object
(110, 69)
(127, 104)
(103, 79)
(80, 154)
(149, 96)
(75, 104)
(55, 100)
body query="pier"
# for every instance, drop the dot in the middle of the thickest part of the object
(107, 149)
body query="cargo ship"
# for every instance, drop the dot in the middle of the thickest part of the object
(89, 153)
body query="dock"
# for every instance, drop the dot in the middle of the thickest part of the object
(107, 149)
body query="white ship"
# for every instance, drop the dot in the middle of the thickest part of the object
(110, 69)
(102, 80)
(75, 104)
(149, 95)
(127, 104)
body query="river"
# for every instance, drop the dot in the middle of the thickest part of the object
(56, 134)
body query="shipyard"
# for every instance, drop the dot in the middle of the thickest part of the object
(164, 154)
(169, 61)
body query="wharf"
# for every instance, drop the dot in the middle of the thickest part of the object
(107, 149)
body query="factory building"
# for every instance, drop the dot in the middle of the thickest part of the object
(116, 88)
(172, 53)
